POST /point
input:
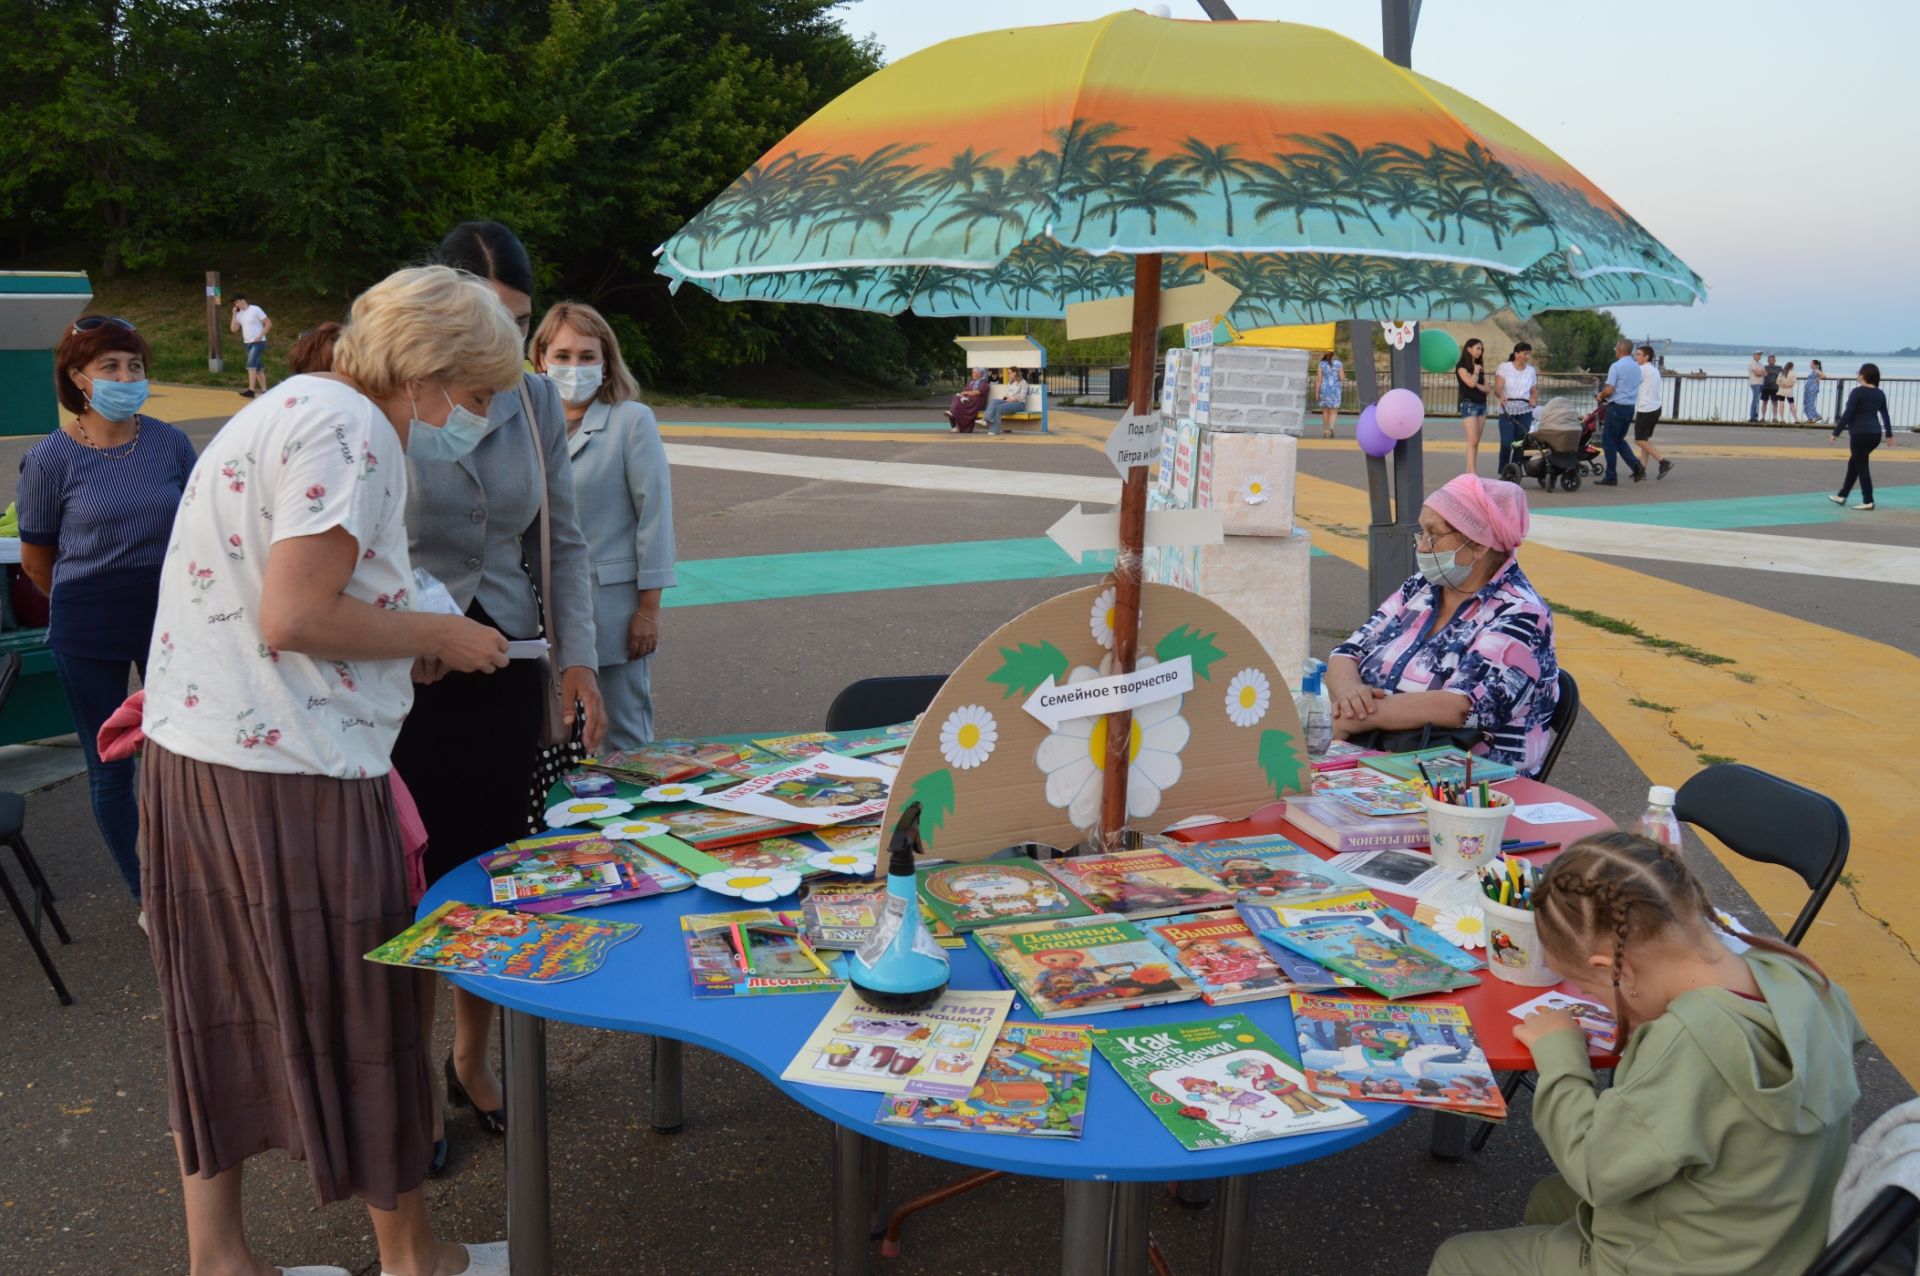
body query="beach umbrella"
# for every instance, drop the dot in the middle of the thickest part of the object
(1016, 173)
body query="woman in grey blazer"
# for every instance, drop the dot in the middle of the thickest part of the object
(625, 498)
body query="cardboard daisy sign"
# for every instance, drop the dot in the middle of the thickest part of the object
(1003, 760)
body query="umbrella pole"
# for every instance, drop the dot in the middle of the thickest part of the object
(1133, 534)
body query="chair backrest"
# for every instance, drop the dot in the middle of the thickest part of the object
(9, 676)
(881, 702)
(1566, 712)
(1889, 1218)
(1774, 821)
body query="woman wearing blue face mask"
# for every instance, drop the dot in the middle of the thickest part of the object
(1465, 645)
(96, 500)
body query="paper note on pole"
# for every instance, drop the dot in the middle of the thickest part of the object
(1080, 533)
(1134, 442)
(1054, 704)
(1211, 296)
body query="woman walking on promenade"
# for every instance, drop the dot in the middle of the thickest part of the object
(1784, 408)
(1332, 375)
(1866, 423)
(1471, 373)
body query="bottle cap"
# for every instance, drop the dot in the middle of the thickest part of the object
(1660, 795)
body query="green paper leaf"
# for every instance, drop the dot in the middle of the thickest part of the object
(1024, 668)
(1284, 765)
(934, 792)
(1185, 641)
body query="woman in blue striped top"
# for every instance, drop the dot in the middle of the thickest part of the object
(96, 503)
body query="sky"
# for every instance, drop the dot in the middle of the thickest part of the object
(1771, 145)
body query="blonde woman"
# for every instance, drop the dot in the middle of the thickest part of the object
(283, 661)
(625, 500)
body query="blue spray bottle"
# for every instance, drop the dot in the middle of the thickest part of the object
(901, 968)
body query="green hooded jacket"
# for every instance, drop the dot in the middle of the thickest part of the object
(1717, 1148)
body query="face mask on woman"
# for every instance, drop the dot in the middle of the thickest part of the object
(460, 435)
(1442, 569)
(117, 400)
(577, 382)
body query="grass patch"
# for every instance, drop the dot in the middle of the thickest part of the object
(1745, 677)
(1714, 759)
(1846, 880)
(1627, 629)
(1654, 705)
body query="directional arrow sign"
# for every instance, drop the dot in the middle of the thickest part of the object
(1054, 704)
(1079, 533)
(1211, 296)
(1134, 442)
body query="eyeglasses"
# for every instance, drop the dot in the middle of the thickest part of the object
(90, 322)
(1429, 541)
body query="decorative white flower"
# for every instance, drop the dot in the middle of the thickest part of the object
(681, 792)
(847, 863)
(968, 736)
(633, 830)
(581, 810)
(1074, 757)
(756, 885)
(1397, 334)
(1256, 491)
(1248, 696)
(1465, 926)
(1100, 618)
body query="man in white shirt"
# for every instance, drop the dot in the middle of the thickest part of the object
(1646, 411)
(1756, 378)
(251, 322)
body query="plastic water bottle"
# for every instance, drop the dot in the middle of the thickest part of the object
(1315, 709)
(1659, 823)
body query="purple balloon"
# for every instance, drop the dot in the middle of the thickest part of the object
(1372, 440)
(1401, 414)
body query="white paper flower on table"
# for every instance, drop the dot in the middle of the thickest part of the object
(679, 792)
(1074, 757)
(1256, 491)
(1397, 334)
(1100, 618)
(967, 736)
(1465, 926)
(1248, 696)
(633, 830)
(849, 863)
(755, 885)
(583, 810)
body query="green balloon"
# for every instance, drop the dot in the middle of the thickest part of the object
(1438, 350)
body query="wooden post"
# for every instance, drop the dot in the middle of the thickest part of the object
(214, 362)
(1133, 536)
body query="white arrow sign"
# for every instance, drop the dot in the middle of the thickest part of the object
(1054, 704)
(1211, 296)
(1080, 533)
(1134, 442)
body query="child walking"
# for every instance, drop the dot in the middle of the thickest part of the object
(1718, 1146)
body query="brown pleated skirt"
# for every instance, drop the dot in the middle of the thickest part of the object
(262, 892)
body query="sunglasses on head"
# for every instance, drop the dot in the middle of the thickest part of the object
(91, 322)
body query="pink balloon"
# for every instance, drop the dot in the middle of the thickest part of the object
(1401, 414)
(1372, 441)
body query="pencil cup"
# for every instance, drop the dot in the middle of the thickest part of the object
(1513, 947)
(1466, 836)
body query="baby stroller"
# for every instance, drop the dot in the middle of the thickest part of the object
(1558, 448)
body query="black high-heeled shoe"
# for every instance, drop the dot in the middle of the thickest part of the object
(438, 1164)
(493, 1122)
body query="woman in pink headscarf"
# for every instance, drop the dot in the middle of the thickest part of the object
(1466, 644)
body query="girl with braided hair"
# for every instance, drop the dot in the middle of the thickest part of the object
(1717, 1147)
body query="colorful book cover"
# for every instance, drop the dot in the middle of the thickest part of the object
(1594, 1019)
(771, 853)
(936, 1052)
(535, 861)
(1269, 870)
(1139, 883)
(824, 789)
(1354, 776)
(1423, 1053)
(861, 744)
(1084, 966)
(1444, 764)
(728, 759)
(846, 839)
(648, 766)
(1380, 800)
(1329, 822)
(781, 962)
(465, 939)
(1226, 959)
(1216, 1083)
(549, 883)
(704, 828)
(1350, 947)
(1341, 755)
(841, 916)
(796, 748)
(1386, 919)
(1305, 975)
(937, 929)
(995, 893)
(1034, 1084)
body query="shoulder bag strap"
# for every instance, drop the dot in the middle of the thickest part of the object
(546, 527)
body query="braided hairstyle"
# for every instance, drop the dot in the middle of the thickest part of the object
(1633, 889)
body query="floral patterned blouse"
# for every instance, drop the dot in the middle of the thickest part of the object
(308, 456)
(1497, 651)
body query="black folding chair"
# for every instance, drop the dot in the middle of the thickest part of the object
(1888, 1221)
(1566, 712)
(881, 702)
(13, 823)
(1773, 821)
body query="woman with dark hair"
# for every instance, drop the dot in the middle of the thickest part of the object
(1471, 373)
(472, 748)
(1517, 382)
(1866, 423)
(313, 349)
(96, 502)
(1331, 388)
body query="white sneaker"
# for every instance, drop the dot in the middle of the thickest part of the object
(1837, 500)
(482, 1260)
(1864, 505)
(142, 919)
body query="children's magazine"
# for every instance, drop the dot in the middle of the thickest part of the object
(995, 892)
(1349, 946)
(1305, 975)
(704, 829)
(841, 916)
(1139, 883)
(1444, 765)
(1085, 966)
(1270, 870)
(465, 939)
(1216, 1083)
(936, 1052)
(1423, 1053)
(532, 863)
(1594, 1019)
(1225, 958)
(823, 789)
(1034, 1083)
(781, 960)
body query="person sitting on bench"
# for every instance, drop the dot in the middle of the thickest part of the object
(964, 409)
(1014, 400)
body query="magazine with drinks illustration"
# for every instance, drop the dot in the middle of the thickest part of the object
(1267, 869)
(1422, 1053)
(937, 1052)
(994, 893)
(1034, 1083)
(1226, 959)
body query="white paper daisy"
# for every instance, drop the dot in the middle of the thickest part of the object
(582, 810)
(756, 885)
(848, 863)
(1256, 490)
(684, 791)
(1248, 696)
(1074, 757)
(1465, 926)
(633, 830)
(967, 736)
(1100, 618)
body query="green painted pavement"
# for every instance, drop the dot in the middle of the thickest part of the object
(760, 577)
(1737, 512)
(815, 427)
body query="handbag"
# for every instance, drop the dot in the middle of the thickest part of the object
(554, 731)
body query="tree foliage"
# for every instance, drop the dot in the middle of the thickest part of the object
(1578, 340)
